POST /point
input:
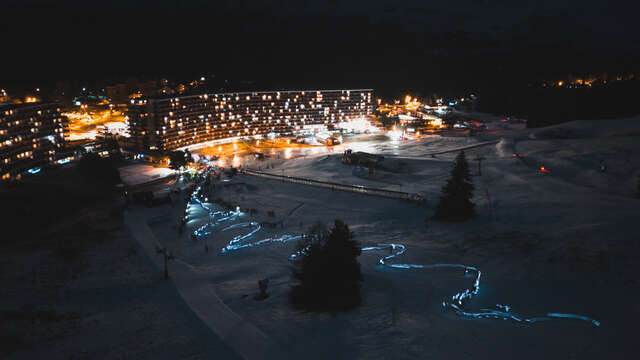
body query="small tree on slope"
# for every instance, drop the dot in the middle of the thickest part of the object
(329, 273)
(455, 203)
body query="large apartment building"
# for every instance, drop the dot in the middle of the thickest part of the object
(172, 123)
(31, 136)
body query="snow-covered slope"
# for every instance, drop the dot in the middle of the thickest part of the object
(565, 241)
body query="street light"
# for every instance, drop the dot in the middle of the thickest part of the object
(479, 159)
(167, 256)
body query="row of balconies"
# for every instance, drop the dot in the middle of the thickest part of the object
(27, 134)
(239, 127)
(173, 143)
(256, 105)
(27, 140)
(224, 132)
(196, 108)
(316, 116)
(16, 164)
(20, 146)
(271, 96)
(27, 123)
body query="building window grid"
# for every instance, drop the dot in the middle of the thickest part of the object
(259, 110)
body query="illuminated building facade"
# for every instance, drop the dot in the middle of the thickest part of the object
(172, 123)
(31, 136)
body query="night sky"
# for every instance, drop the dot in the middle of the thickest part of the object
(384, 44)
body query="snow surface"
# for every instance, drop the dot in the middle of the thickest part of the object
(561, 242)
(111, 304)
(141, 173)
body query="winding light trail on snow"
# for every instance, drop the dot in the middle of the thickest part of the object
(455, 304)
(217, 218)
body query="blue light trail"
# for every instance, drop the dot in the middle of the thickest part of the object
(457, 302)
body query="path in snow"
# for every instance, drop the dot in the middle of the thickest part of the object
(360, 189)
(428, 155)
(196, 291)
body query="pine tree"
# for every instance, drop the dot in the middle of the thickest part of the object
(328, 271)
(99, 171)
(178, 159)
(455, 202)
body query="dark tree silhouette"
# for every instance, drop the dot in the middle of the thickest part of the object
(98, 170)
(455, 203)
(178, 159)
(112, 145)
(328, 271)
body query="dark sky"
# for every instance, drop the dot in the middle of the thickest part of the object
(292, 43)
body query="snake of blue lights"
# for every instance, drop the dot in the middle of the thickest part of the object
(455, 304)
(218, 218)
(458, 300)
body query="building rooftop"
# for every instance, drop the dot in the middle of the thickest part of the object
(25, 105)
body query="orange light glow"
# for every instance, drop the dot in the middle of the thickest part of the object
(236, 161)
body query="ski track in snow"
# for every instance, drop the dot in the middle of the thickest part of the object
(455, 304)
